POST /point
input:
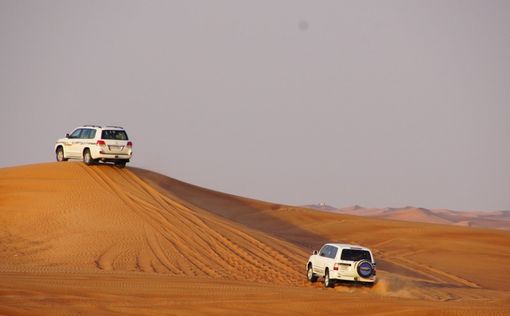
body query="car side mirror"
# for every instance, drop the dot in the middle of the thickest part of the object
(67, 135)
(315, 252)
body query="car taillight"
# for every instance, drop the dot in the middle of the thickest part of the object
(336, 266)
(130, 144)
(101, 142)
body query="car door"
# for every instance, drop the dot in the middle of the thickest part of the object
(321, 260)
(330, 259)
(72, 144)
(83, 140)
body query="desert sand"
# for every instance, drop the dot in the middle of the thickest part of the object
(483, 219)
(78, 240)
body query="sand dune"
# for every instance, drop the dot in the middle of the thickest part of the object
(100, 240)
(103, 218)
(483, 219)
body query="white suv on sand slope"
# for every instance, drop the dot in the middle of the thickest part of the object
(93, 143)
(337, 262)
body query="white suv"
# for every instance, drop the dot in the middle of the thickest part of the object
(342, 262)
(93, 143)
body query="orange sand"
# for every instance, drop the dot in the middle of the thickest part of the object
(100, 240)
(482, 219)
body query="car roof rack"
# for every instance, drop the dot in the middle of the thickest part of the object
(91, 125)
(115, 126)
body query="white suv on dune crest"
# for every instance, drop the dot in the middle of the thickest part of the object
(94, 143)
(337, 262)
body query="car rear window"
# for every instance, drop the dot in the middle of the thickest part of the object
(355, 255)
(114, 134)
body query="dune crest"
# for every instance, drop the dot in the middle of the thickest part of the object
(482, 219)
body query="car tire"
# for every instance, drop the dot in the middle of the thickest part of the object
(87, 157)
(120, 165)
(310, 275)
(327, 281)
(60, 154)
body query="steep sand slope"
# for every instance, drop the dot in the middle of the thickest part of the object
(99, 240)
(79, 218)
(439, 259)
(259, 215)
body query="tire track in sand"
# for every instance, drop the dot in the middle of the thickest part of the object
(185, 241)
(402, 259)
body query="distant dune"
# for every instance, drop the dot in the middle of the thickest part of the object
(485, 219)
(102, 240)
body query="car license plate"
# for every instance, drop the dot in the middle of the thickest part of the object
(115, 147)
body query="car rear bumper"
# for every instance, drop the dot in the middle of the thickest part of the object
(113, 160)
(112, 157)
(351, 277)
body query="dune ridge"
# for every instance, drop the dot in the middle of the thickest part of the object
(100, 240)
(482, 219)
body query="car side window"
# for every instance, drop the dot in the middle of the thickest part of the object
(323, 252)
(88, 133)
(76, 133)
(328, 252)
(85, 133)
(333, 252)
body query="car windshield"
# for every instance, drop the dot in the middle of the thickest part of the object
(114, 134)
(355, 255)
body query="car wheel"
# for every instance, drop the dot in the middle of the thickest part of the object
(309, 273)
(327, 281)
(120, 164)
(87, 158)
(60, 154)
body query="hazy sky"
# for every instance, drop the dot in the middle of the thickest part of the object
(378, 103)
